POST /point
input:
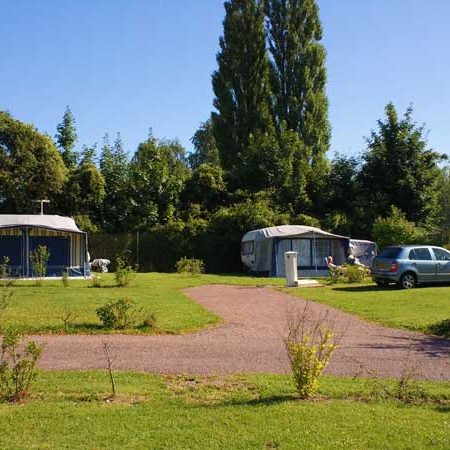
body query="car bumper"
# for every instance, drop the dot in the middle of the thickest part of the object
(385, 276)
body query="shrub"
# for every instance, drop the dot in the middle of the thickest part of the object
(396, 229)
(190, 265)
(310, 345)
(5, 273)
(122, 314)
(124, 274)
(441, 328)
(355, 273)
(65, 278)
(39, 258)
(97, 281)
(68, 316)
(17, 368)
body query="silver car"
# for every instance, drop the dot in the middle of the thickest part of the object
(408, 265)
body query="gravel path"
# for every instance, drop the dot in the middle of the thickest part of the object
(250, 340)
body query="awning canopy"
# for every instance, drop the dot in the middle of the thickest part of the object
(34, 220)
(289, 231)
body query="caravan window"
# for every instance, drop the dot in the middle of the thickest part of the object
(247, 247)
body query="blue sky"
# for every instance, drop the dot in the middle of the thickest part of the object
(130, 65)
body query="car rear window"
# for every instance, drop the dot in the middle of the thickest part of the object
(421, 254)
(390, 252)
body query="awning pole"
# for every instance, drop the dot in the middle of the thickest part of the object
(314, 253)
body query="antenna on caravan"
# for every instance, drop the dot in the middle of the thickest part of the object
(42, 204)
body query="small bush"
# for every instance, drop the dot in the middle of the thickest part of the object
(441, 328)
(125, 274)
(190, 265)
(39, 258)
(355, 273)
(65, 279)
(122, 314)
(310, 345)
(96, 281)
(68, 316)
(17, 368)
(5, 273)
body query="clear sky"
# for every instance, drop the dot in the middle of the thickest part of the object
(128, 65)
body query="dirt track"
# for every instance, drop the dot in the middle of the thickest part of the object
(250, 340)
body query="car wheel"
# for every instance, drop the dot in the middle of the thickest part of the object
(408, 281)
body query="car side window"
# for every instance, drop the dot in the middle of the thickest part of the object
(422, 254)
(441, 255)
(412, 255)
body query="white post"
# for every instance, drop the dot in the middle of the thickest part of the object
(290, 268)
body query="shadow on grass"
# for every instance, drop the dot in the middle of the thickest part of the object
(371, 288)
(443, 408)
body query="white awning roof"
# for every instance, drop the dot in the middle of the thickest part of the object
(54, 222)
(288, 231)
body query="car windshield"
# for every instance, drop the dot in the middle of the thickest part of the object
(390, 252)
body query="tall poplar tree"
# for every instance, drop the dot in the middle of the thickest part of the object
(241, 86)
(66, 137)
(298, 77)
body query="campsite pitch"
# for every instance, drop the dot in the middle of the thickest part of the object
(251, 341)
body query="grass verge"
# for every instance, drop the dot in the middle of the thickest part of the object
(417, 309)
(40, 309)
(72, 410)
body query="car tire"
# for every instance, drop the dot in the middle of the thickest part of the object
(408, 280)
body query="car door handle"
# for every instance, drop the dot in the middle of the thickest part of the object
(438, 265)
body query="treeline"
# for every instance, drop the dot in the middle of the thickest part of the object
(258, 160)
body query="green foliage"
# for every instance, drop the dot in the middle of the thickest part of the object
(158, 172)
(124, 274)
(399, 170)
(114, 168)
(84, 191)
(355, 273)
(17, 366)
(65, 279)
(241, 86)
(310, 345)
(204, 142)
(68, 316)
(298, 82)
(396, 229)
(441, 328)
(66, 137)
(85, 223)
(205, 187)
(30, 166)
(38, 259)
(190, 265)
(122, 314)
(5, 273)
(97, 281)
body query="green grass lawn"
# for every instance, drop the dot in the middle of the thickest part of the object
(39, 309)
(414, 309)
(70, 410)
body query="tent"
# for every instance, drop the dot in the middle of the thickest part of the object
(22, 234)
(262, 251)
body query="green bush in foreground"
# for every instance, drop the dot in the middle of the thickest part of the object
(17, 368)
(310, 345)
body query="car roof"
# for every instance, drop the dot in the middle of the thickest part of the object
(415, 246)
